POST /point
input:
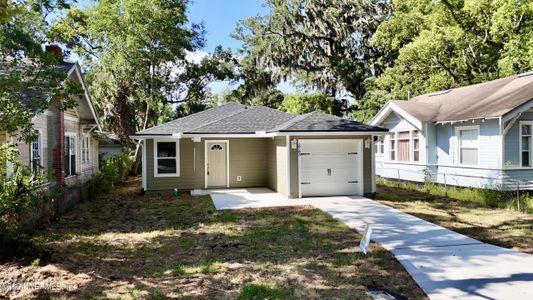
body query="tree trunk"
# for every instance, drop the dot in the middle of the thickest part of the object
(137, 162)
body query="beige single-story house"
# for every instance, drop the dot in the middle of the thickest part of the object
(238, 146)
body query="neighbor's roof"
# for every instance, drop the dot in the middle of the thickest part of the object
(234, 118)
(490, 99)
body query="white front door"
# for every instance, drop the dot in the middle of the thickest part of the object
(216, 167)
(331, 167)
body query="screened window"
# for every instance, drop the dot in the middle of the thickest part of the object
(166, 157)
(468, 145)
(85, 149)
(526, 144)
(36, 154)
(70, 155)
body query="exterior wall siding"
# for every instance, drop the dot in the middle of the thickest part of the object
(512, 142)
(441, 160)
(277, 165)
(186, 164)
(248, 158)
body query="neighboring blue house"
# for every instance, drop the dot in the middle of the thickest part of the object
(478, 135)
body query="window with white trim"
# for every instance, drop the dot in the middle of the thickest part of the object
(166, 158)
(70, 155)
(468, 145)
(405, 146)
(85, 148)
(36, 154)
(379, 146)
(526, 143)
(393, 147)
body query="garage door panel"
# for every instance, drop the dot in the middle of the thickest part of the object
(329, 189)
(330, 168)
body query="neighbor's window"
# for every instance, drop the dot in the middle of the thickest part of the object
(70, 155)
(167, 159)
(416, 145)
(468, 145)
(403, 141)
(379, 146)
(36, 153)
(85, 146)
(405, 146)
(526, 141)
(393, 147)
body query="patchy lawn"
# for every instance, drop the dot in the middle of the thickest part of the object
(503, 227)
(128, 246)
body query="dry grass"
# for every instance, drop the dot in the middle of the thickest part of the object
(128, 246)
(502, 227)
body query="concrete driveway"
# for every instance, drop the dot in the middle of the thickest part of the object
(445, 264)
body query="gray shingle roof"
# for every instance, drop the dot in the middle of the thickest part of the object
(321, 122)
(234, 118)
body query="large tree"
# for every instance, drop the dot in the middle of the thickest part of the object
(325, 44)
(445, 44)
(29, 77)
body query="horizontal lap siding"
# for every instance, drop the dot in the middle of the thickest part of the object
(186, 178)
(512, 141)
(277, 165)
(248, 158)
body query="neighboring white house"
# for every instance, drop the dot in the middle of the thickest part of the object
(478, 135)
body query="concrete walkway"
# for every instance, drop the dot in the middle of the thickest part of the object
(445, 264)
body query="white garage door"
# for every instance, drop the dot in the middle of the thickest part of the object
(331, 167)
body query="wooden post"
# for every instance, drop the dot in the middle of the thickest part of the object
(398, 179)
(445, 185)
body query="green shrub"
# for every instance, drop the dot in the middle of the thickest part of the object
(17, 189)
(114, 170)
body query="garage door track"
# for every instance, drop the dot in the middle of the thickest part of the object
(445, 264)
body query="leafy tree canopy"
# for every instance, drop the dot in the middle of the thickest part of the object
(445, 44)
(29, 77)
(326, 44)
(302, 103)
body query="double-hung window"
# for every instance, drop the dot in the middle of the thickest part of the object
(70, 155)
(468, 145)
(36, 154)
(166, 158)
(85, 148)
(526, 144)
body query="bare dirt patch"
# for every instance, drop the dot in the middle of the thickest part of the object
(156, 246)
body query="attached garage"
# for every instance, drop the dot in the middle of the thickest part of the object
(330, 167)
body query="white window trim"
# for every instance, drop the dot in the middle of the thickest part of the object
(206, 160)
(88, 159)
(411, 139)
(177, 158)
(40, 142)
(379, 145)
(457, 158)
(520, 144)
(73, 135)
